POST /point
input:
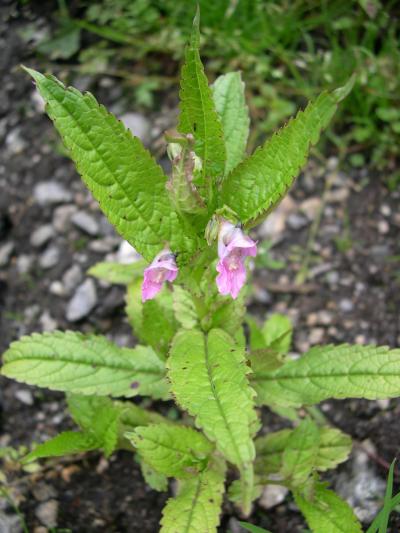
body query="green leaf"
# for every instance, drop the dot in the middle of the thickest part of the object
(252, 528)
(175, 451)
(154, 479)
(230, 103)
(197, 506)
(121, 174)
(258, 184)
(257, 340)
(388, 508)
(184, 308)
(209, 378)
(328, 513)
(199, 117)
(300, 453)
(85, 364)
(116, 272)
(98, 416)
(64, 43)
(277, 331)
(324, 372)
(388, 498)
(334, 447)
(66, 443)
(153, 321)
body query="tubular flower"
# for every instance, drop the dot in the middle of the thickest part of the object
(233, 247)
(163, 268)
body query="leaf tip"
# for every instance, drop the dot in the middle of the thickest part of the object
(341, 93)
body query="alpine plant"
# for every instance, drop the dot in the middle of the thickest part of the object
(187, 311)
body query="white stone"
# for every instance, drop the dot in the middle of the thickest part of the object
(85, 222)
(71, 278)
(49, 257)
(51, 192)
(42, 235)
(24, 396)
(138, 125)
(127, 253)
(47, 512)
(272, 496)
(47, 322)
(82, 302)
(5, 253)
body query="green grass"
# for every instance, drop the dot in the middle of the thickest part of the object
(288, 51)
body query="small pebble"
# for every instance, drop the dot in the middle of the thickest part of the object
(5, 253)
(57, 288)
(47, 512)
(272, 496)
(316, 336)
(311, 207)
(346, 305)
(24, 396)
(43, 492)
(127, 253)
(383, 227)
(47, 322)
(24, 263)
(14, 142)
(51, 192)
(85, 222)
(71, 278)
(42, 235)
(49, 257)
(296, 221)
(139, 125)
(82, 302)
(62, 218)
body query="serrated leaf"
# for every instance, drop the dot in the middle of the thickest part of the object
(85, 364)
(199, 117)
(133, 415)
(209, 379)
(324, 372)
(184, 308)
(277, 331)
(118, 170)
(153, 322)
(258, 184)
(197, 506)
(257, 340)
(154, 479)
(334, 447)
(98, 416)
(328, 513)
(118, 273)
(300, 453)
(66, 443)
(230, 103)
(175, 451)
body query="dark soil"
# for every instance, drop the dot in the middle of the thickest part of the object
(355, 279)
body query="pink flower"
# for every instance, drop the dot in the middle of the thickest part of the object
(163, 268)
(233, 247)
